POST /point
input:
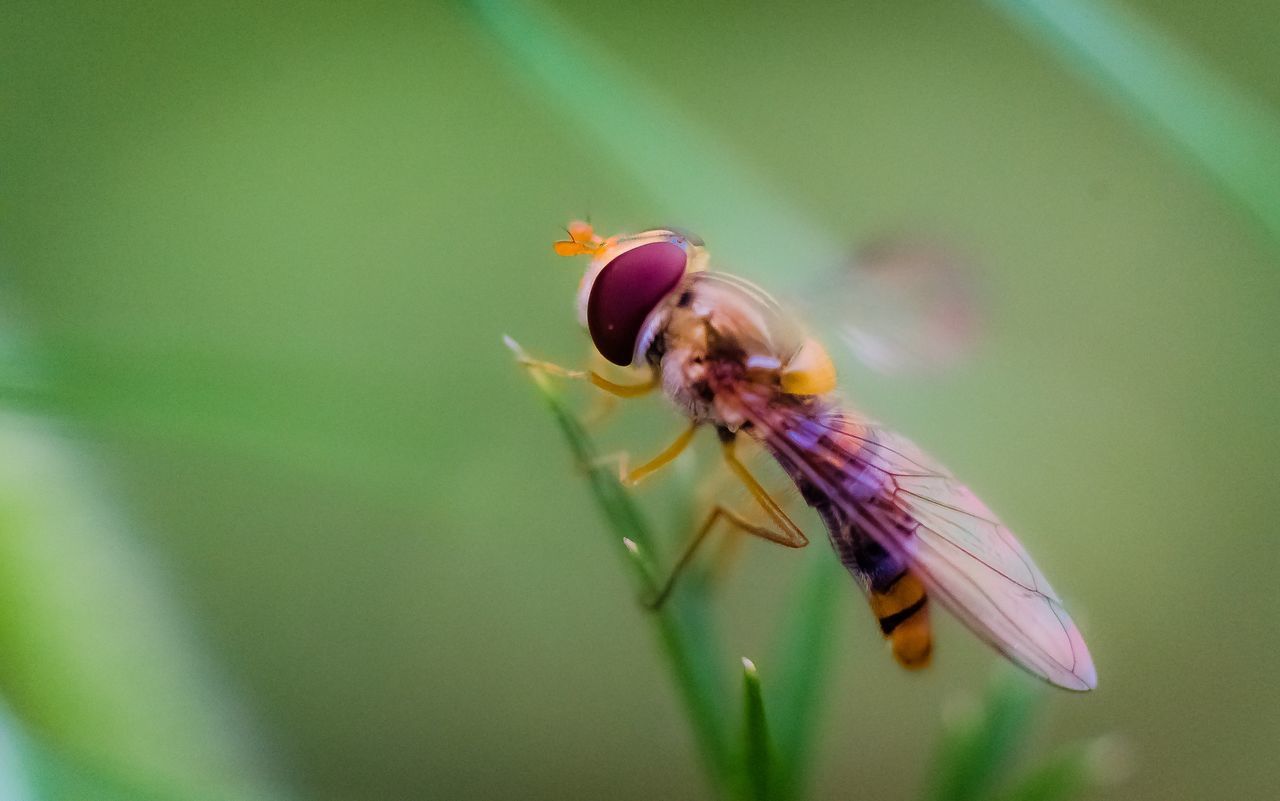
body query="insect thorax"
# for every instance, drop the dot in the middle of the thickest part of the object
(717, 340)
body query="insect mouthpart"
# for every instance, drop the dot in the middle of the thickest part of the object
(625, 293)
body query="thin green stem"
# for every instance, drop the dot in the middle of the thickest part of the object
(803, 655)
(683, 629)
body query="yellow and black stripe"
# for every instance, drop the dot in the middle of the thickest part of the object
(903, 610)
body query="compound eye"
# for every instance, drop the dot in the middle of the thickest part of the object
(626, 291)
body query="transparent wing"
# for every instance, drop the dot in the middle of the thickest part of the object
(960, 550)
(978, 569)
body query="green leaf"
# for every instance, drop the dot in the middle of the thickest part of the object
(1233, 137)
(978, 749)
(757, 753)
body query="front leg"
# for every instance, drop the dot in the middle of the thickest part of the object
(599, 381)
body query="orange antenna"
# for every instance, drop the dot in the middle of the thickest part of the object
(582, 240)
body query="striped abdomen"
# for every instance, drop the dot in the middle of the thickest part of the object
(897, 597)
(829, 448)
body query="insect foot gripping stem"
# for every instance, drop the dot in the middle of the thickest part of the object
(599, 381)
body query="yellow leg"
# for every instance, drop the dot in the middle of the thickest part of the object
(734, 519)
(722, 561)
(619, 390)
(668, 455)
(793, 536)
(632, 476)
(624, 390)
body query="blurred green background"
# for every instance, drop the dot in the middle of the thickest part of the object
(278, 510)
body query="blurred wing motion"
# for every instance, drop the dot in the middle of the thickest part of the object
(903, 307)
(918, 512)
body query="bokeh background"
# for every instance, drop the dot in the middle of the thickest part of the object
(278, 513)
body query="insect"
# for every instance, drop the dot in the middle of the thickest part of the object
(724, 353)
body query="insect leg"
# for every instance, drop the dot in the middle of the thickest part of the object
(613, 388)
(734, 519)
(637, 474)
(550, 368)
(729, 548)
(624, 390)
(793, 536)
(600, 410)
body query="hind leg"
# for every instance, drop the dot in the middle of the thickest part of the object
(739, 523)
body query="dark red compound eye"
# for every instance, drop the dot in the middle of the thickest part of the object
(626, 291)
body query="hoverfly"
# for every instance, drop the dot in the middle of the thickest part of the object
(724, 353)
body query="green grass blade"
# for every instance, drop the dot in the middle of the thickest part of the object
(1233, 137)
(757, 756)
(682, 624)
(1062, 777)
(15, 779)
(688, 172)
(978, 750)
(32, 769)
(803, 655)
(96, 657)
